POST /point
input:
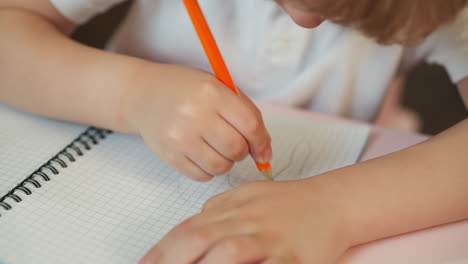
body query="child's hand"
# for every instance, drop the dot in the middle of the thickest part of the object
(260, 223)
(195, 123)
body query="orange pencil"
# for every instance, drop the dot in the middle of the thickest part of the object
(216, 60)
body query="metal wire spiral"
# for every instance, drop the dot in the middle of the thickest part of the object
(78, 147)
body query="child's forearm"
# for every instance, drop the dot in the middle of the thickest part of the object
(44, 72)
(413, 189)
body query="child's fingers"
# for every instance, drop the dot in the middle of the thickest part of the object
(187, 167)
(279, 260)
(207, 158)
(237, 250)
(193, 242)
(247, 119)
(195, 172)
(240, 194)
(216, 200)
(226, 140)
(228, 200)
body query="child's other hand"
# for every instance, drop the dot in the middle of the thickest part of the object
(260, 223)
(195, 123)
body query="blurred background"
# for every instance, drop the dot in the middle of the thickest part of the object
(427, 91)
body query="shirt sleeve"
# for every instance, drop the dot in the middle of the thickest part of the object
(80, 11)
(448, 48)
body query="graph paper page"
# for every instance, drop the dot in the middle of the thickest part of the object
(119, 199)
(27, 141)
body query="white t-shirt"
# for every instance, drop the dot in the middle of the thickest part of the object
(329, 69)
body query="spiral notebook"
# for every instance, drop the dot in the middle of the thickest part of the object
(72, 194)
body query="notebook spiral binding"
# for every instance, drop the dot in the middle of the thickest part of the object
(77, 148)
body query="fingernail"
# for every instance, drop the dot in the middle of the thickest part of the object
(267, 155)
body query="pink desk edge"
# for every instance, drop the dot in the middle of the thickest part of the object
(440, 245)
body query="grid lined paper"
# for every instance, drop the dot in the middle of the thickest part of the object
(118, 200)
(27, 141)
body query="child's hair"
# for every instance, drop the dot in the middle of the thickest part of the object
(392, 21)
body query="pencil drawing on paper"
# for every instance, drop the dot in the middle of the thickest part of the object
(300, 150)
(291, 161)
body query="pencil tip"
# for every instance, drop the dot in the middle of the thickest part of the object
(268, 174)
